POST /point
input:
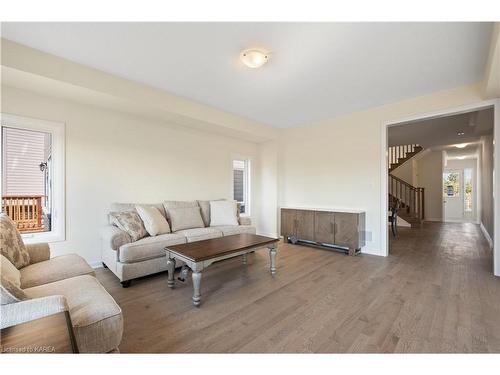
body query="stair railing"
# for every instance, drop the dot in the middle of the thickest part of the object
(412, 198)
(399, 152)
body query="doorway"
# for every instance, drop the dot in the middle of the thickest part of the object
(472, 189)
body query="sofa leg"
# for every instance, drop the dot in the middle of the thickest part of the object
(126, 284)
(104, 265)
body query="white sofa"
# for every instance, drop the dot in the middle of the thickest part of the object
(129, 260)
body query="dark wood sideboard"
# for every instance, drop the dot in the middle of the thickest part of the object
(340, 230)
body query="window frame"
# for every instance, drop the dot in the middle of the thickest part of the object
(58, 212)
(246, 182)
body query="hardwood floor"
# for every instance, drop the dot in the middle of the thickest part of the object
(434, 293)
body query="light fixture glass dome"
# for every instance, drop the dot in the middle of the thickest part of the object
(254, 58)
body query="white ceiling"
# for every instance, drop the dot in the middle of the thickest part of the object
(442, 132)
(317, 70)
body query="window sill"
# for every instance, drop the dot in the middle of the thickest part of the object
(30, 238)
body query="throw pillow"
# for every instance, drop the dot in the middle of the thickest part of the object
(130, 222)
(223, 213)
(205, 210)
(11, 243)
(185, 218)
(154, 221)
(168, 205)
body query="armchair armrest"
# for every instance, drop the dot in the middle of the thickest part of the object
(38, 252)
(113, 237)
(245, 220)
(31, 309)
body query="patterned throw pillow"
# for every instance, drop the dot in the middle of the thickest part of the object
(130, 222)
(11, 244)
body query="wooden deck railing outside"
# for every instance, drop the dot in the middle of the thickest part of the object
(25, 211)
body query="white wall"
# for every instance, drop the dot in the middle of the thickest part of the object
(112, 156)
(268, 220)
(406, 172)
(430, 177)
(487, 201)
(338, 163)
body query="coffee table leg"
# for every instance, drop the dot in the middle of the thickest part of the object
(170, 272)
(272, 255)
(244, 258)
(196, 276)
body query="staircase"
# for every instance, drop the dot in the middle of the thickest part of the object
(411, 197)
(398, 155)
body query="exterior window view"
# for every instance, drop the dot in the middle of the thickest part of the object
(26, 179)
(451, 184)
(240, 184)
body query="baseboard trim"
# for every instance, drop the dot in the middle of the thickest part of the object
(433, 219)
(486, 235)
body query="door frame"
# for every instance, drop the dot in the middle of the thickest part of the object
(495, 104)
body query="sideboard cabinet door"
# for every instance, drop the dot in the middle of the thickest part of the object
(323, 227)
(305, 225)
(346, 230)
(288, 221)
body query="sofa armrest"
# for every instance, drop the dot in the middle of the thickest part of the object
(31, 309)
(245, 220)
(113, 237)
(38, 252)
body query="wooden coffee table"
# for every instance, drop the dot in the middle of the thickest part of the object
(201, 254)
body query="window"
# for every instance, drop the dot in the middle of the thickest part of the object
(451, 184)
(468, 189)
(241, 184)
(32, 154)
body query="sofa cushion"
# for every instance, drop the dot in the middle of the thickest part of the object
(177, 204)
(54, 269)
(10, 287)
(223, 213)
(11, 243)
(97, 319)
(130, 222)
(10, 272)
(229, 230)
(148, 247)
(198, 234)
(10, 293)
(154, 222)
(185, 218)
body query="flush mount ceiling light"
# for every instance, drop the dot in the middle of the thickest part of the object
(254, 58)
(461, 145)
(459, 133)
(460, 157)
